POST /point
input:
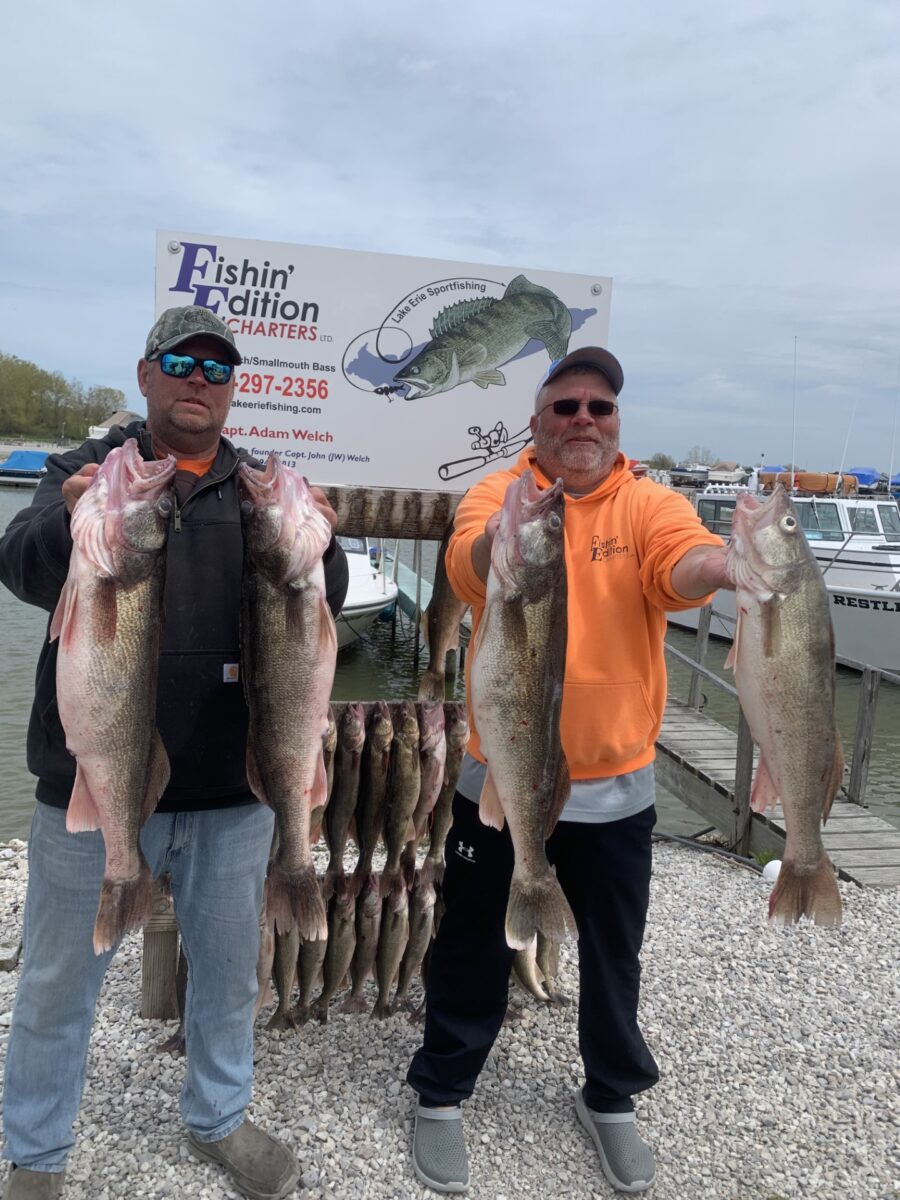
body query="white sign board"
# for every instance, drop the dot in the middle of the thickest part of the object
(378, 369)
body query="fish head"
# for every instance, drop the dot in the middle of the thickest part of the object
(457, 724)
(529, 541)
(767, 552)
(353, 727)
(433, 370)
(382, 726)
(124, 515)
(284, 532)
(329, 737)
(406, 723)
(431, 722)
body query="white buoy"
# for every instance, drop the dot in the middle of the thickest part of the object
(771, 869)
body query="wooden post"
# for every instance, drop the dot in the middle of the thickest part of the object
(159, 961)
(862, 742)
(694, 693)
(743, 778)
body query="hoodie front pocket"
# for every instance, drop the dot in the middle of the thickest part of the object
(605, 724)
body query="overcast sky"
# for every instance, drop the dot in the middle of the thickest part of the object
(734, 168)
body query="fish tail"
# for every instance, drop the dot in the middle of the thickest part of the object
(334, 882)
(295, 899)
(124, 904)
(808, 893)
(538, 905)
(432, 686)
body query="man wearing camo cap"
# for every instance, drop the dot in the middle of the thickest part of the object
(208, 833)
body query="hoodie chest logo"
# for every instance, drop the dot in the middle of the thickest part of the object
(604, 549)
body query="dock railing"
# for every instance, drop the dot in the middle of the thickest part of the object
(870, 683)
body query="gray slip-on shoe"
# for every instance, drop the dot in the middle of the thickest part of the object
(260, 1165)
(626, 1158)
(439, 1149)
(22, 1184)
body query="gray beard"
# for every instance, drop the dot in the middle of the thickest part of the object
(559, 458)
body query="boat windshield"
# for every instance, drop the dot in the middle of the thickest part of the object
(353, 545)
(820, 520)
(890, 519)
(862, 520)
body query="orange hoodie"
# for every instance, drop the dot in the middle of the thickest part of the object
(622, 541)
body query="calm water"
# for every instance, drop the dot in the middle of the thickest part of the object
(382, 665)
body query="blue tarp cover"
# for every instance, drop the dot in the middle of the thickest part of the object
(867, 476)
(24, 460)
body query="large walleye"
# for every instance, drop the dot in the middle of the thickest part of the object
(783, 659)
(288, 655)
(109, 622)
(517, 674)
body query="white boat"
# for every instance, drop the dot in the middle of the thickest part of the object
(856, 541)
(369, 592)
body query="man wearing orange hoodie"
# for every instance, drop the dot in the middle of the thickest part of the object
(634, 550)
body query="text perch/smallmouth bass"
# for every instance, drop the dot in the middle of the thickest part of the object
(517, 681)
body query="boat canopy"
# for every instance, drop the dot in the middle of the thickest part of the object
(24, 460)
(867, 476)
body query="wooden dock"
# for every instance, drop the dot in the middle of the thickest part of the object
(696, 762)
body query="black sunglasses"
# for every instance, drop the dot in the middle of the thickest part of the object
(568, 408)
(181, 366)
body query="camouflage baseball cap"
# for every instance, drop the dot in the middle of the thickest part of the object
(177, 325)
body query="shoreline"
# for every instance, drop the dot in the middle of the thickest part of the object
(777, 1049)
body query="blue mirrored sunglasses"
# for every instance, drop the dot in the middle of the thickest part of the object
(181, 366)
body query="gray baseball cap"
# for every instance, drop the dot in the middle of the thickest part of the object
(589, 356)
(178, 325)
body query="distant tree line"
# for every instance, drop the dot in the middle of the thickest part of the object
(44, 406)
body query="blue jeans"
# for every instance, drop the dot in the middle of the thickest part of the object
(217, 862)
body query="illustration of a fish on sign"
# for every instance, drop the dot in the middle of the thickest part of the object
(472, 339)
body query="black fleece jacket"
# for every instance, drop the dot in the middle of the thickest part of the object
(201, 712)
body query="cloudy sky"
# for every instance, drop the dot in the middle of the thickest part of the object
(734, 168)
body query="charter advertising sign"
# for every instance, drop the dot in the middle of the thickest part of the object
(378, 369)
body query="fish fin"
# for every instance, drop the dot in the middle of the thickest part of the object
(771, 628)
(316, 817)
(432, 686)
(764, 794)
(254, 775)
(64, 614)
(809, 893)
(490, 810)
(837, 775)
(550, 334)
(295, 899)
(124, 904)
(485, 378)
(318, 796)
(83, 814)
(295, 614)
(561, 793)
(105, 612)
(475, 353)
(537, 905)
(158, 773)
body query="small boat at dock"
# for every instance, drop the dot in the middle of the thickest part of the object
(23, 468)
(370, 591)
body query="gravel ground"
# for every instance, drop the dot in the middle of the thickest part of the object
(778, 1050)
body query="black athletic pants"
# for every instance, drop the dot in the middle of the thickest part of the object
(604, 871)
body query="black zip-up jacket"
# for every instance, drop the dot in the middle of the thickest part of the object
(200, 710)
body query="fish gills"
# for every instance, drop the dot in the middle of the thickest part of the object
(109, 624)
(517, 674)
(783, 659)
(288, 655)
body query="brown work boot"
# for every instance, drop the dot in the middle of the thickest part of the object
(260, 1165)
(23, 1184)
